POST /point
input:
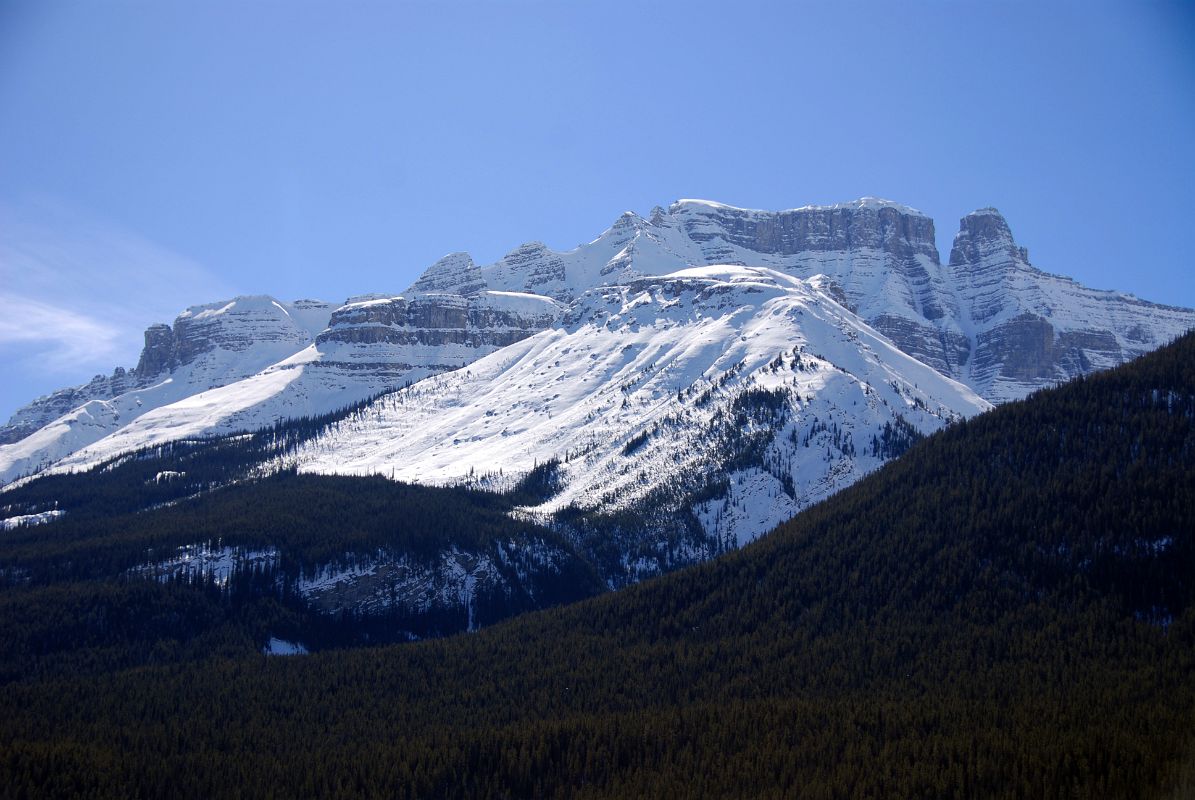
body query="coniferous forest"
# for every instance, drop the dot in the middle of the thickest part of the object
(1005, 610)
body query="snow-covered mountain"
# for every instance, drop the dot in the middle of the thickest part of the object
(749, 388)
(209, 345)
(671, 389)
(251, 362)
(218, 344)
(987, 318)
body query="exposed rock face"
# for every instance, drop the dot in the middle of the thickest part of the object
(883, 256)
(532, 268)
(30, 418)
(1032, 329)
(247, 323)
(445, 319)
(158, 355)
(453, 274)
(888, 227)
(485, 320)
(1028, 350)
(985, 260)
(880, 254)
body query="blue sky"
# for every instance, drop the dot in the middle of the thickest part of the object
(159, 154)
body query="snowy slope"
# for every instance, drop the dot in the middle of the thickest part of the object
(218, 344)
(661, 361)
(370, 346)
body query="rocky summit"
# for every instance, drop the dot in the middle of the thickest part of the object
(987, 318)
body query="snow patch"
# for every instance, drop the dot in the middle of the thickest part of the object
(41, 518)
(282, 647)
(208, 561)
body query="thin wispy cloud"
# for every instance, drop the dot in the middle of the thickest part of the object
(77, 292)
(59, 340)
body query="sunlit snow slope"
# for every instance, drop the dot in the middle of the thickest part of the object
(371, 345)
(213, 345)
(661, 385)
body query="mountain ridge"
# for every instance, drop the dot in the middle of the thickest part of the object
(987, 317)
(637, 380)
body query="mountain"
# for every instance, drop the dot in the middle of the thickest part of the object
(656, 424)
(987, 319)
(211, 345)
(735, 395)
(1029, 329)
(247, 364)
(1004, 611)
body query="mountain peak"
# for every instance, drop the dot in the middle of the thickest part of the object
(157, 356)
(863, 203)
(527, 248)
(696, 203)
(981, 234)
(455, 273)
(240, 303)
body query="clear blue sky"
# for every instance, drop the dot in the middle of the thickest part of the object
(159, 154)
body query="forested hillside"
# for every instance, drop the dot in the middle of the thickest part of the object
(1004, 611)
(240, 549)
